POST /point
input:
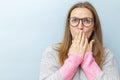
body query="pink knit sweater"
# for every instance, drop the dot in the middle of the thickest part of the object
(87, 63)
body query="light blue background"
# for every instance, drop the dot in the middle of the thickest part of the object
(27, 27)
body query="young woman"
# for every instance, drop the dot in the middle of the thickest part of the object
(81, 55)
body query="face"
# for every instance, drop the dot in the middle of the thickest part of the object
(81, 19)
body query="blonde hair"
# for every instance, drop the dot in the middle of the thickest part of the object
(67, 39)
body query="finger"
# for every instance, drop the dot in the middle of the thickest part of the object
(91, 44)
(86, 43)
(75, 39)
(83, 39)
(72, 41)
(79, 36)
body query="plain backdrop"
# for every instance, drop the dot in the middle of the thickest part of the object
(27, 27)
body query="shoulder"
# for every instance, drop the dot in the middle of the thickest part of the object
(109, 57)
(108, 53)
(51, 49)
(51, 52)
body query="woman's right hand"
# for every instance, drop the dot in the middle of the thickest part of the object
(79, 44)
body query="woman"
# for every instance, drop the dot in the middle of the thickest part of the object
(81, 55)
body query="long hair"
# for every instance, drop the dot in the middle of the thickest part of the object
(97, 50)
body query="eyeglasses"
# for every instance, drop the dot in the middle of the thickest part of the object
(87, 21)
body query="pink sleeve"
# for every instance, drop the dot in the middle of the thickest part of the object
(90, 67)
(70, 66)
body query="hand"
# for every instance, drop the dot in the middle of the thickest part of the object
(89, 46)
(79, 44)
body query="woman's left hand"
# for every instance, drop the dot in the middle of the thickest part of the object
(90, 46)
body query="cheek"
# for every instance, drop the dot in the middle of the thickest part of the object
(73, 32)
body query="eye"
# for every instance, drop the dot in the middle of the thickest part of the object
(87, 20)
(74, 20)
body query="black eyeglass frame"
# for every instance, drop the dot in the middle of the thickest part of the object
(92, 20)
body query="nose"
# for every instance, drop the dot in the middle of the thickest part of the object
(80, 25)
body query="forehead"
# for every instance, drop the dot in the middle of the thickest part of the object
(81, 12)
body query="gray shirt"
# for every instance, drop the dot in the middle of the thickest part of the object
(49, 67)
